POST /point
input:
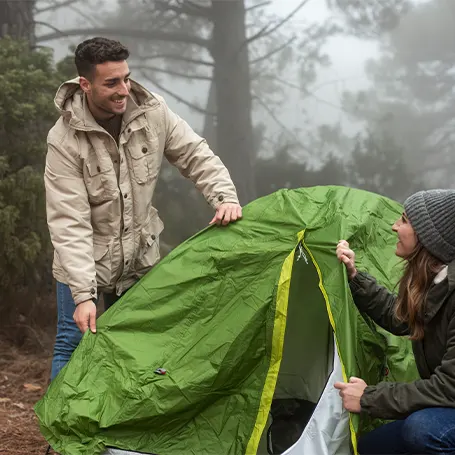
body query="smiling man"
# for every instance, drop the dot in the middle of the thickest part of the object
(104, 157)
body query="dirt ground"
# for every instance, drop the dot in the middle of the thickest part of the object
(23, 380)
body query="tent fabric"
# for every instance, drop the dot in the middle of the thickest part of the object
(213, 314)
(327, 431)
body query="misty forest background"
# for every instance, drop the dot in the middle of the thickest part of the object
(260, 80)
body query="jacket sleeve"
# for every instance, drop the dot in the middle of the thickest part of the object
(377, 302)
(68, 219)
(398, 400)
(193, 157)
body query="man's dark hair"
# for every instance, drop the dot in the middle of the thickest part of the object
(97, 50)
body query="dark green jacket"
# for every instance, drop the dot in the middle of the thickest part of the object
(434, 355)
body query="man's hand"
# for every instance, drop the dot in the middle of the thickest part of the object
(226, 213)
(351, 393)
(85, 316)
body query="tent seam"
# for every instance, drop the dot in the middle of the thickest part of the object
(279, 328)
(332, 323)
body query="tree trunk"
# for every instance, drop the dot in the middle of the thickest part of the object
(16, 19)
(235, 137)
(210, 122)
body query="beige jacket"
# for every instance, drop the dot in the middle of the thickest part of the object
(105, 230)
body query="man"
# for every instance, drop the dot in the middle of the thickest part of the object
(104, 157)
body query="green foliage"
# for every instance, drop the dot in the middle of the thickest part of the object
(29, 81)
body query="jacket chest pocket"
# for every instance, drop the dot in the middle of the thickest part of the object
(144, 162)
(100, 180)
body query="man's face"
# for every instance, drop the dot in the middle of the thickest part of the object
(107, 93)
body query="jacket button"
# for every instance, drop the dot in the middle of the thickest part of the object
(126, 230)
(93, 291)
(153, 237)
(221, 198)
(127, 262)
(129, 130)
(144, 149)
(98, 168)
(125, 195)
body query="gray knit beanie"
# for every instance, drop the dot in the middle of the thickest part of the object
(432, 216)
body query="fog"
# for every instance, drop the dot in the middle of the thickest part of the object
(288, 93)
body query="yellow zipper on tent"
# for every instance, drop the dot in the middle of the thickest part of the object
(332, 323)
(279, 326)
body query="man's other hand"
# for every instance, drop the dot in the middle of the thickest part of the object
(85, 316)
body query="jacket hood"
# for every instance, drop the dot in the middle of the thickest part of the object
(71, 103)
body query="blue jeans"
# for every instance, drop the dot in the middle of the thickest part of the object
(429, 431)
(68, 334)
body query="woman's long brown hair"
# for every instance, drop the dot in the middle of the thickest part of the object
(419, 274)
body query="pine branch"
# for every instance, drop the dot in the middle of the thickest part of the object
(265, 31)
(273, 52)
(128, 33)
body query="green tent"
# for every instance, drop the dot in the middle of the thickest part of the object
(231, 344)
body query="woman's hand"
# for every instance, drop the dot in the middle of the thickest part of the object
(347, 257)
(351, 393)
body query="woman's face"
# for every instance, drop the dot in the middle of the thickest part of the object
(407, 238)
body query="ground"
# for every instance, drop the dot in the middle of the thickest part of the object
(23, 380)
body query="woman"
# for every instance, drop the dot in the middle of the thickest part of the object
(424, 310)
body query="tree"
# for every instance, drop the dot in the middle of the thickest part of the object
(411, 99)
(28, 81)
(16, 19)
(370, 19)
(214, 41)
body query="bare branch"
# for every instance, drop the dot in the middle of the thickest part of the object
(305, 91)
(118, 32)
(85, 16)
(259, 5)
(273, 52)
(177, 57)
(45, 24)
(278, 122)
(177, 97)
(171, 73)
(265, 31)
(55, 6)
